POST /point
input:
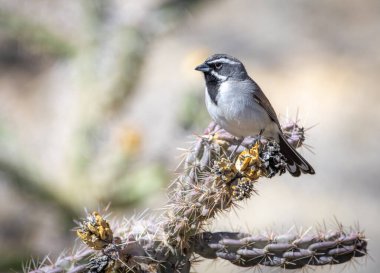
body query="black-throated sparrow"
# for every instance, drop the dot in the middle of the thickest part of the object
(239, 105)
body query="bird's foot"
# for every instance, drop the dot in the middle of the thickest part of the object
(259, 137)
(239, 142)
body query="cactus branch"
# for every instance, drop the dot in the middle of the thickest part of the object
(215, 176)
(288, 251)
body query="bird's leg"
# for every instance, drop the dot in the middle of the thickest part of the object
(240, 140)
(259, 136)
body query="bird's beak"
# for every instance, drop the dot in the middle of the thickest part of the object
(203, 68)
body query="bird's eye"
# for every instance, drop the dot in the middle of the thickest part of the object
(218, 65)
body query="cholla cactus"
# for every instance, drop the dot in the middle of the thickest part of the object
(216, 175)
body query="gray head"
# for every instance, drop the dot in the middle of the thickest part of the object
(221, 67)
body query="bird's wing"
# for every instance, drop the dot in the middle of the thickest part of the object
(262, 100)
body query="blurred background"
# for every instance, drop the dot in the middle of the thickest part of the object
(96, 96)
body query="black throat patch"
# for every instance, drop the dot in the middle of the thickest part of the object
(213, 89)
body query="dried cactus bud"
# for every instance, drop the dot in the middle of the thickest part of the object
(243, 189)
(95, 232)
(101, 263)
(272, 161)
(224, 170)
(248, 163)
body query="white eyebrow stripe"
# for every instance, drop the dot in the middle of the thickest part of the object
(223, 60)
(220, 77)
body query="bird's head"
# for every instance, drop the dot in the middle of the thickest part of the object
(221, 67)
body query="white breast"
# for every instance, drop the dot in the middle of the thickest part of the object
(238, 113)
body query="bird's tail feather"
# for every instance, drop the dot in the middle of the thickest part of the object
(295, 162)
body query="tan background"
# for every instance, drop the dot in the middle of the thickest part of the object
(95, 96)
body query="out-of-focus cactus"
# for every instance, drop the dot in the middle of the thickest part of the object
(216, 175)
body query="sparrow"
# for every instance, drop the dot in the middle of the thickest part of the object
(239, 106)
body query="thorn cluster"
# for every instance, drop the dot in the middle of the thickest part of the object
(294, 133)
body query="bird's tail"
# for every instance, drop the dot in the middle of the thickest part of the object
(295, 162)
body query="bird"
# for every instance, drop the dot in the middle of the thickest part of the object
(237, 103)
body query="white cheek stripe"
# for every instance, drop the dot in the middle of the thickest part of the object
(220, 77)
(223, 60)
